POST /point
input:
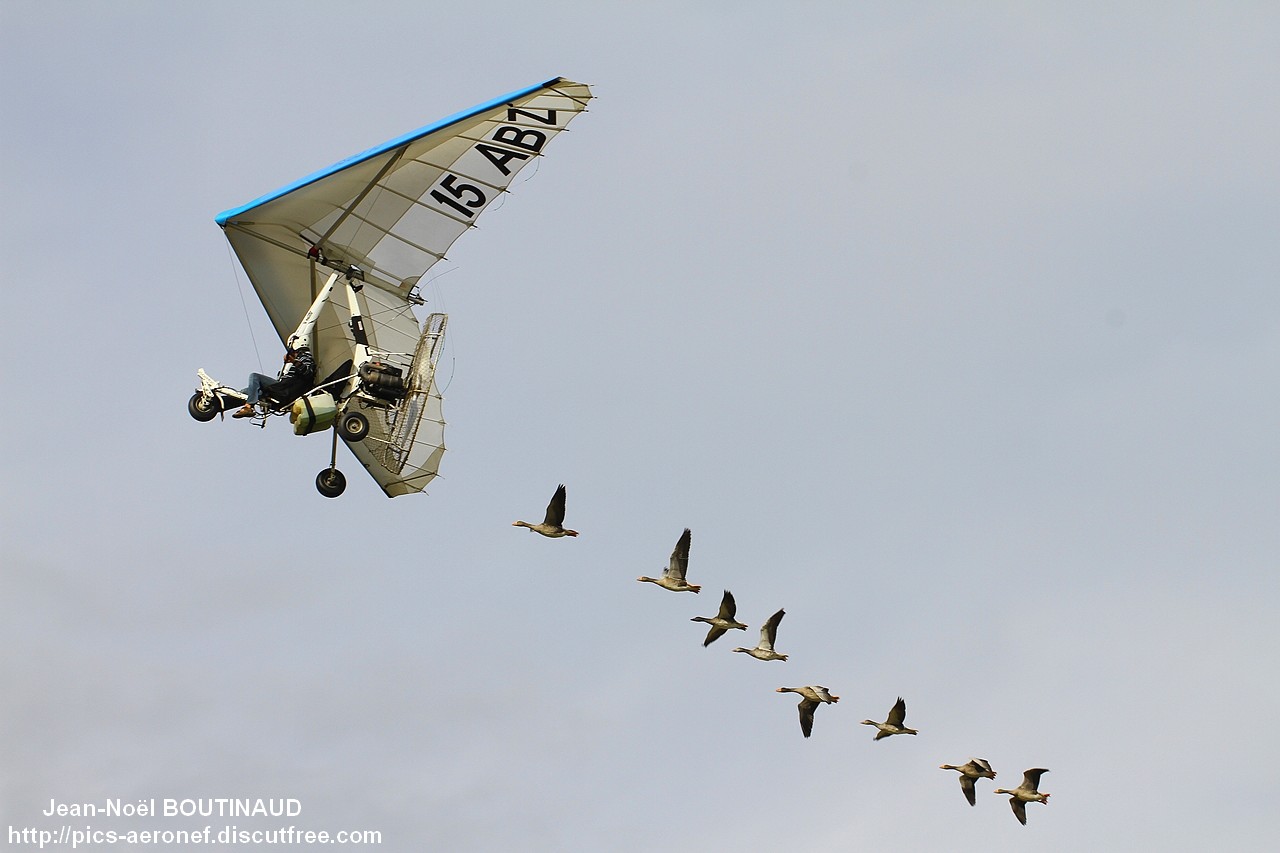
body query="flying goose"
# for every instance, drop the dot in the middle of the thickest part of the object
(768, 634)
(971, 771)
(1025, 793)
(893, 725)
(553, 524)
(722, 621)
(810, 697)
(673, 575)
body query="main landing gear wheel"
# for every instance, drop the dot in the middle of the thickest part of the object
(330, 482)
(202, 408)
(353, 426)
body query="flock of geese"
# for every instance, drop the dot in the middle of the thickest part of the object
(674, 579)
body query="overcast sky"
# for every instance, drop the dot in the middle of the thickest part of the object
(953, 329)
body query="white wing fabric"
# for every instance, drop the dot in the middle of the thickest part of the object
(392, 211)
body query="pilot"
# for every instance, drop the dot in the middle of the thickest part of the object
(295, 379)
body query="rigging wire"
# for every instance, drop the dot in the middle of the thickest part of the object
(453, 365)
(244, 305)
(521, 178)
(524, 179)
(439, 292)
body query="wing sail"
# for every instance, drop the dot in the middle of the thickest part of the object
(393, 211)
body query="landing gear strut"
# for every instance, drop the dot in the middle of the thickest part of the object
(330, 482)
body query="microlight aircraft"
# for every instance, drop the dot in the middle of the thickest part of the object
(336, 259)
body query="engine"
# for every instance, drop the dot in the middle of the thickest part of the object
(382, 380)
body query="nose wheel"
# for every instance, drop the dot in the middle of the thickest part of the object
(203, 408)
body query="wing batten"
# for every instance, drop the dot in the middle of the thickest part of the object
(349, 209)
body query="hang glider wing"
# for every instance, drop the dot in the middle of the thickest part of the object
(392, 212)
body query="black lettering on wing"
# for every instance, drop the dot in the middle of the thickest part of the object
(500, 157)
(464, 198)
(513, 113)
(525, 138)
